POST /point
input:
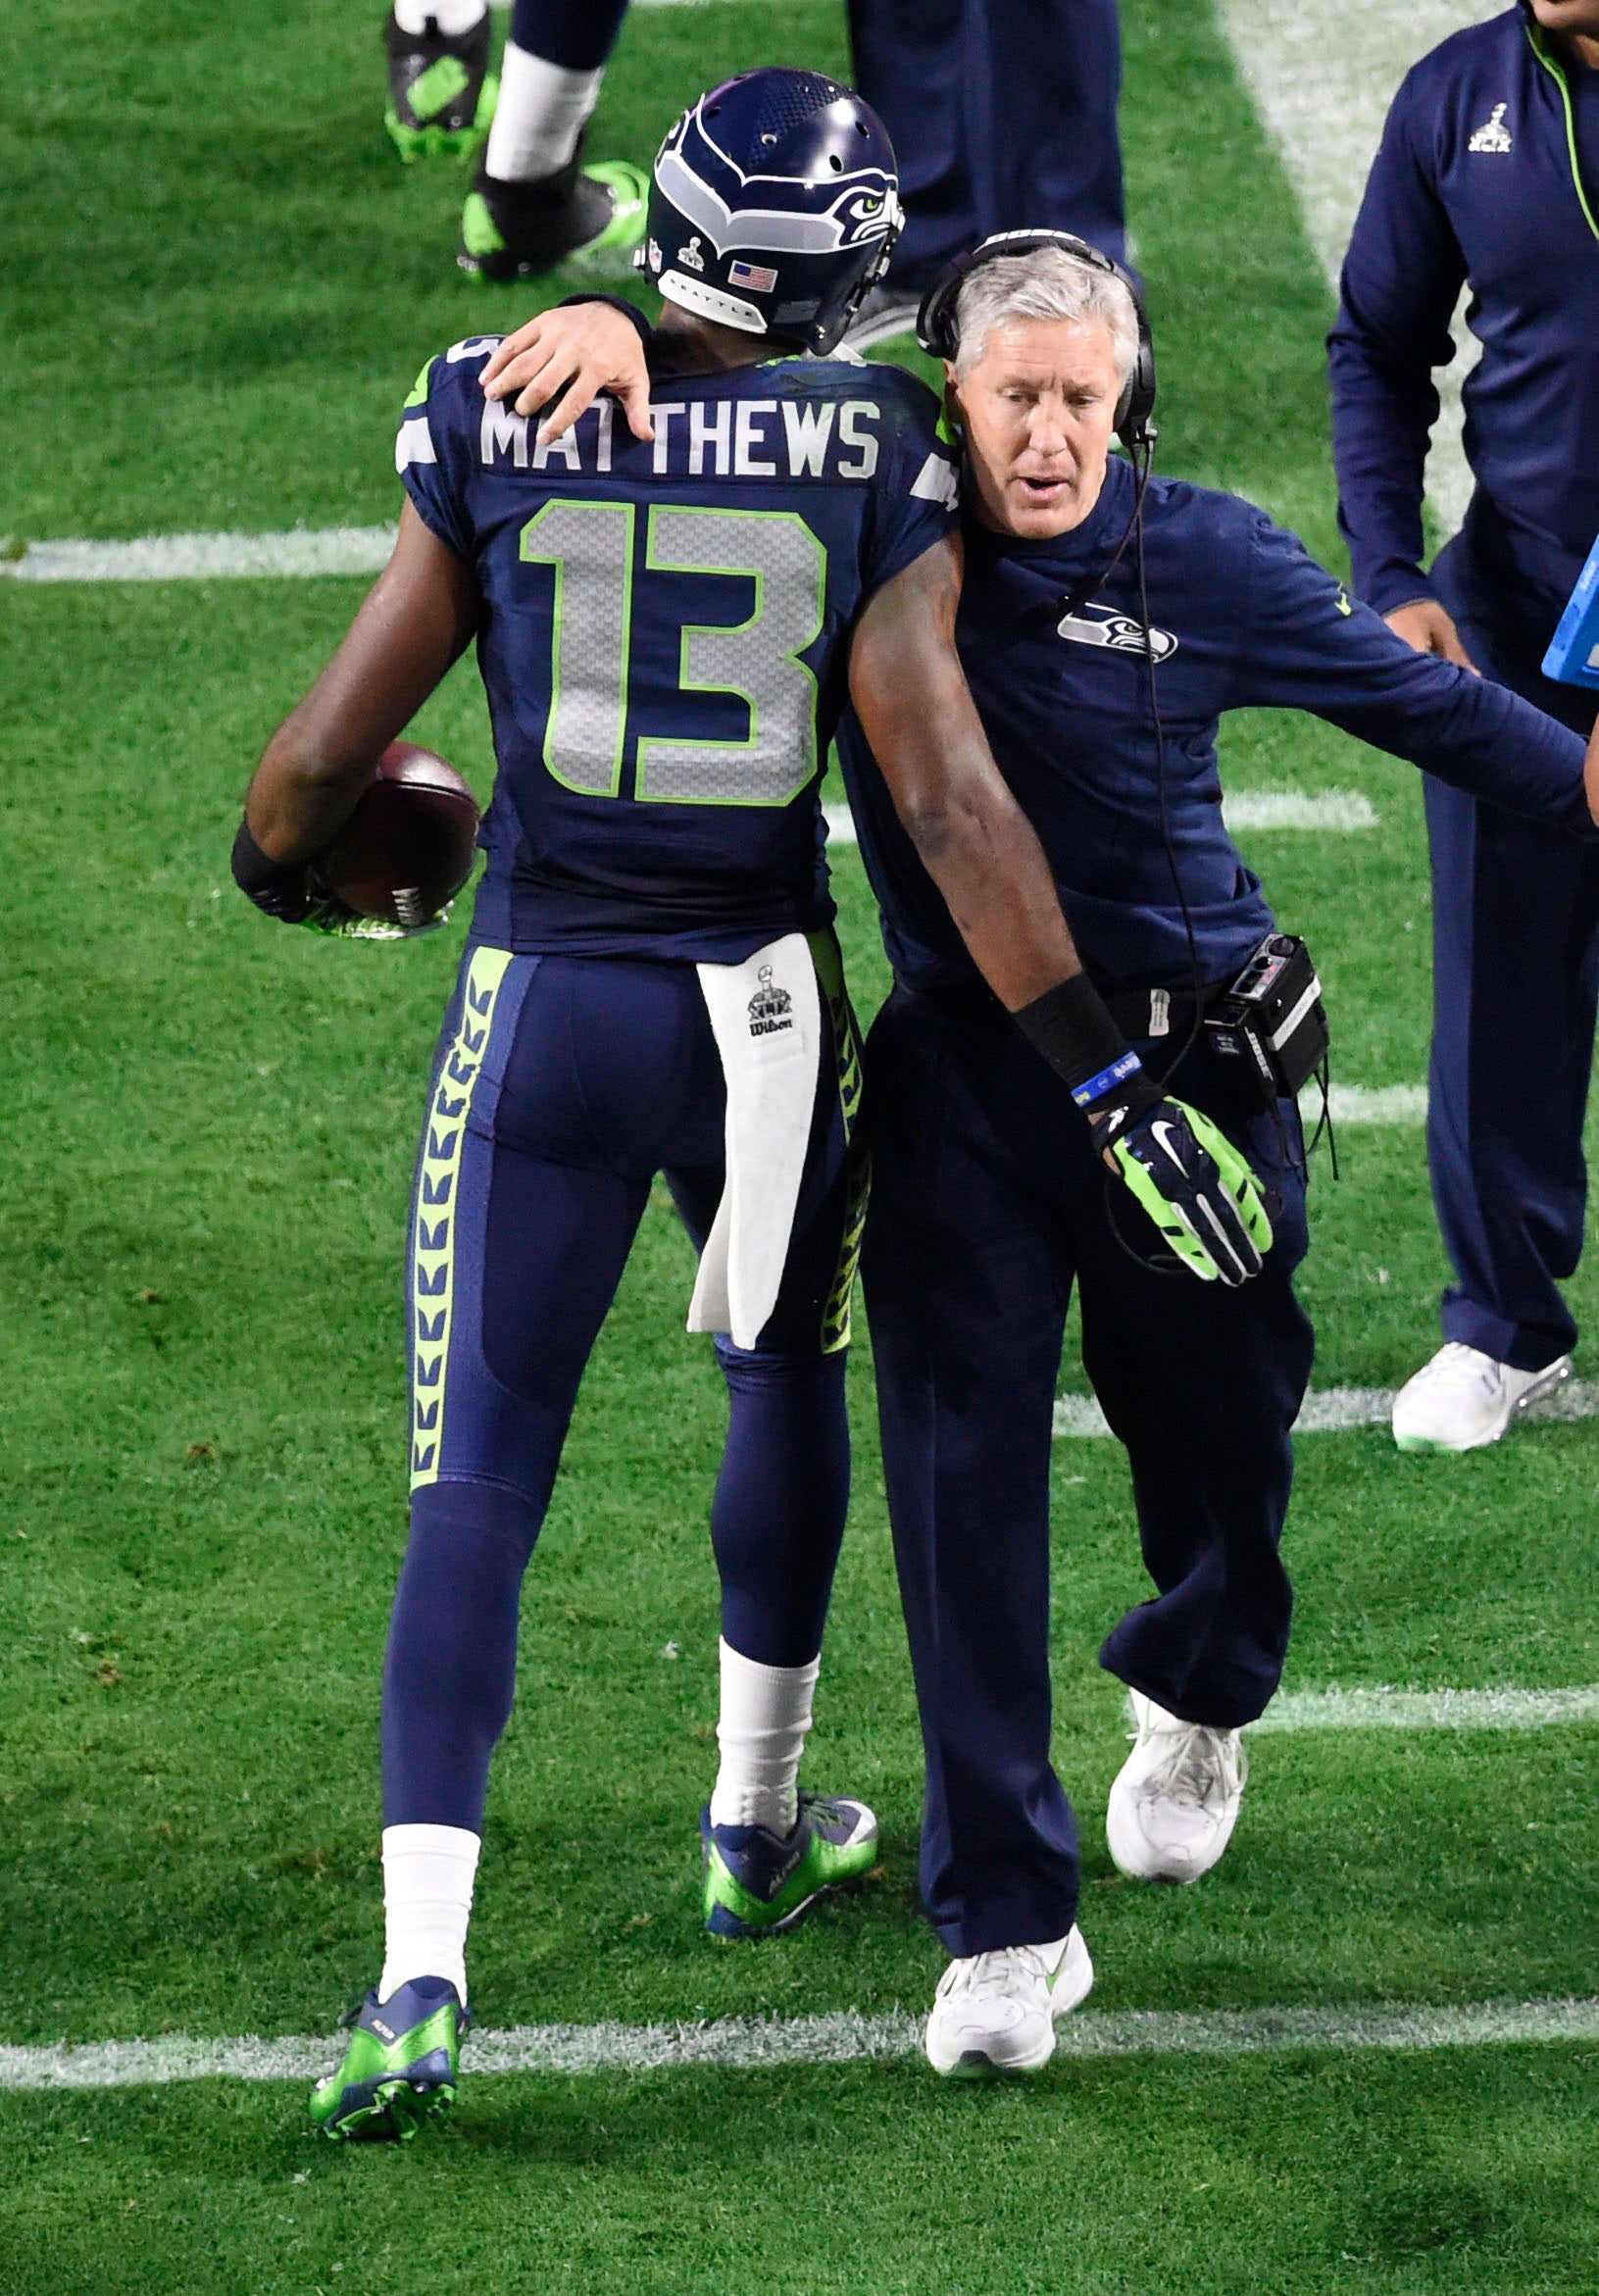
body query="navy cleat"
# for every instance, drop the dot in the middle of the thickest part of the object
(401, 2068)
(757, 1882)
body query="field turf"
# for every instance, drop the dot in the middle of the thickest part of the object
(218, 285)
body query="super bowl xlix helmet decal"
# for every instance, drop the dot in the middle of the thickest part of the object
(775, 206)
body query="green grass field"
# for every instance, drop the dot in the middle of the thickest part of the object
(217, 287)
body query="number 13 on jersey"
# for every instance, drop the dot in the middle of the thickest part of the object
(594, 679)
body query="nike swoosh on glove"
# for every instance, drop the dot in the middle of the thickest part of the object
(1196, 1188)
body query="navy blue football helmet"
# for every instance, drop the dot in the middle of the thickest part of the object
(775, 206)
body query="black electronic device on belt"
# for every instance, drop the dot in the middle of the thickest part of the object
(1271, 1024)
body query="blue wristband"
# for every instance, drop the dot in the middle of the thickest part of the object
(1096, 1087)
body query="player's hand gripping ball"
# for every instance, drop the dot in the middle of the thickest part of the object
(393, 868)
(405, 852)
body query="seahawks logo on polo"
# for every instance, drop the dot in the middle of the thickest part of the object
(1123, 634)
(433, 1262)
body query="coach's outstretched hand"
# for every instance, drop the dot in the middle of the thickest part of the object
(1194, 1184)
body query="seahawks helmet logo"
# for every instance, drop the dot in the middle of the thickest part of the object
(1123, 634)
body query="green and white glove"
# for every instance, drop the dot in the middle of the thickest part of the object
(1196, 1188)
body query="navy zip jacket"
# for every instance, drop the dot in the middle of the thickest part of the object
(1241, 615)
(1489, 170)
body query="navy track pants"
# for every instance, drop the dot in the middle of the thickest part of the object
(988, 1203)
(1516, 982)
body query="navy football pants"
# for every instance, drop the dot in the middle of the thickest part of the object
(988, 1203)
(1001, 115)
(564, 1085)
(1516, 979)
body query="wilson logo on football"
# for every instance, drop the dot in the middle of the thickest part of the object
(1100, 625)
(771, 1007)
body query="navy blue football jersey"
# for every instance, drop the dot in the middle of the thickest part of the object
(664, 636)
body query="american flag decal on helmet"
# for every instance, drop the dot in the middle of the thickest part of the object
(753, 276)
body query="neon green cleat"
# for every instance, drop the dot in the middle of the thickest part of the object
(757, 1883)
(441, 93)
(590, 220)
(401, 2068)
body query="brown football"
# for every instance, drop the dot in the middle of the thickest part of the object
(410, 843)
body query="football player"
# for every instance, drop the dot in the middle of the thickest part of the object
(667, 611)
(1094, 592)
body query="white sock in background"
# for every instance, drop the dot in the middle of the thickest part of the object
(766, 1712)
(543, 109)
(453, 16)
(428, 1876)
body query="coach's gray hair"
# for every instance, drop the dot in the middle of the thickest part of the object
(1047, 283)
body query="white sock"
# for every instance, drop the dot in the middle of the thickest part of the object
(766, 1712)
(452, 16)
(428, 1876)
(543, 109)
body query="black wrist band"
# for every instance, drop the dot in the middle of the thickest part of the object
(1069, 1026)
(255, 871)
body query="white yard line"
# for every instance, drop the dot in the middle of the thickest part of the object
(742, 2044)
(1332, 1410)
(1338, 813)
(182, 558)
(1383, 1709)
(1323, 89)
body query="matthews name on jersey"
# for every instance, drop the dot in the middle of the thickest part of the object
(665, 635)
(1241, 615)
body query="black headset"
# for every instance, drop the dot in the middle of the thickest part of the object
(938, 333)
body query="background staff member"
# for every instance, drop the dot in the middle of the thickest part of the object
(1488, 173)
(989, 1187)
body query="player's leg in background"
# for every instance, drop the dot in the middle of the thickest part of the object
(1049, 153)
(1003, 115)
(1203, 1385)
(534, 203)
(778, 1517)
(912, 63)
(1515, 966)
(966, 1290)
(440, 88)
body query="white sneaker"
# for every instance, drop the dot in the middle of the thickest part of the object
(1175, 1799)
(1462, 1399)
(996, 2012)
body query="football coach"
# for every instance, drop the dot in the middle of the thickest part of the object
(1092, 593)
(1488, 175)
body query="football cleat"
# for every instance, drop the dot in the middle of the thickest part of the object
(441, 93)
(589, 219)
(757, 1882)
(1177, 1797)
(402, 2066)
(1462, 1399)
(996, 2012)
